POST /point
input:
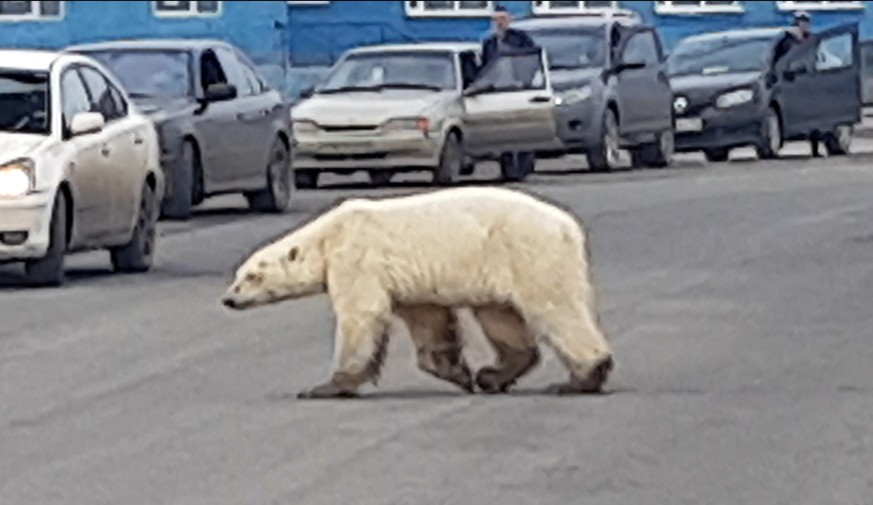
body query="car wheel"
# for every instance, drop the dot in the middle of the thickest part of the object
(771, 136)
(839, 141)
(451, 161)
(380, 178)
(277, 194)
(305, 179)
(138, 255)
(605, 157)
(656, 155)
(49, 270)
(717, 155)
(183, 193)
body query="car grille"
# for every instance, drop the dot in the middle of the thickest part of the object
(348, 128)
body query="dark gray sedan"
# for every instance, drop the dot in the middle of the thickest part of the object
(222, 128)
(732, 90)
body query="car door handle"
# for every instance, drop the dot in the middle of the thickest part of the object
(137, 140)
(105, 151)
(540, 99)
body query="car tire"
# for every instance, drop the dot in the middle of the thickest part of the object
(276, 195)
(380, 178)
(451, 161)
(138, 255)
(771, 136)
(48, 271)
(183, 195)
(658, 154)
(839, 141)
(717, 155)
(306, 179)
(604, 157)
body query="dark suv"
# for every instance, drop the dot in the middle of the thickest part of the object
(609, 76)
(732, 91)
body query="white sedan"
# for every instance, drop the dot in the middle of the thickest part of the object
(79, 166)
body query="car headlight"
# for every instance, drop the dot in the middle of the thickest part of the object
(734, 98)
(304, 127)
(573, 96)
(16, 179)
(421, 124)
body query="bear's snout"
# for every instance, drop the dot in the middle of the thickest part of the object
(229, 302)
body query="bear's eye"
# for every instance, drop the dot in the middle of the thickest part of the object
(293, 253)
(254, 278)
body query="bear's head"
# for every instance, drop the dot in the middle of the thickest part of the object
(281, 271)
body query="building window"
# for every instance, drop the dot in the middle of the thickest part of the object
(435, 8)
(24, 10)
(705, 7)
(168, 8)
(819, 6)
(565, 7)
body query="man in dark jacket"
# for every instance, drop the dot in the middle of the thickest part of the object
(800, 32)
(514, 166)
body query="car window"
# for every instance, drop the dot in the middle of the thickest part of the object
(251, 72)
(642, 47)
(102, 98)
(234, 72)
(211, 71)
(24, 102)
(835, 52)
(512, 72)
(74, 97)
(149, 73)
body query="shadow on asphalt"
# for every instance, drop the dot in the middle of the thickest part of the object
(419, 394)
(12, 277)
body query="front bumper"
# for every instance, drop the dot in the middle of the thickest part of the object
(24, 227)
(713, 128)
(579, 126)
(338, 151)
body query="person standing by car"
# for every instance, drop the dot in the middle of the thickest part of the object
(517, 165)
(799, 33)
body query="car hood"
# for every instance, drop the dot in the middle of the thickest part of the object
(18, 145)
(713, 83)
(563, 80)
(368, 108)
(160, 110)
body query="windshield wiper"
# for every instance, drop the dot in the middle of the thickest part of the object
(409, 85)
(565, 67)
(347, 89)
(136, 95)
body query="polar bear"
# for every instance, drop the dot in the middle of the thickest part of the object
(522, 262)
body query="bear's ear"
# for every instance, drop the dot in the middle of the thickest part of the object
(293, 253)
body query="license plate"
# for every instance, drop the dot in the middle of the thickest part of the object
(346, 147)
(694, 124)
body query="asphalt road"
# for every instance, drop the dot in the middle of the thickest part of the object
(738, 298)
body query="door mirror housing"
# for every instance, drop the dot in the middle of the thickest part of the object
(84, 123)
(219, 92)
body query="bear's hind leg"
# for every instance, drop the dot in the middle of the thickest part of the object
(439, 348)
(514, 344)
(359, 350)
(575, 336)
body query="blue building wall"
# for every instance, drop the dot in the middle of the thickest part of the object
(294, 42)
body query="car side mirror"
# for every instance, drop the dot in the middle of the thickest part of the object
(84, 123)
(629, 65)
(219, 92)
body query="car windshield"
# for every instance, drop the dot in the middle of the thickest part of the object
(572, 49)
(720, 56)
(24, 102)
(433, 71)
(158, 74)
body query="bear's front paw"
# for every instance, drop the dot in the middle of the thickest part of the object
(325, 391)
(488, 380)
(593, 384)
